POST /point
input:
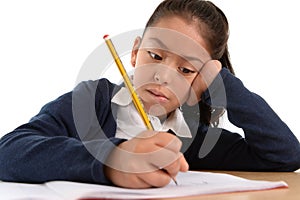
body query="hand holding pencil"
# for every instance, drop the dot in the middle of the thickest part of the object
(142, 171)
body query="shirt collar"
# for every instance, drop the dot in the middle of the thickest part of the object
(175, 121)
(122, 97)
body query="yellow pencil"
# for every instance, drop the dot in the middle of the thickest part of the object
(136, 101)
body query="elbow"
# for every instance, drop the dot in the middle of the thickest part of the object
(291, 161)
(289, 167)
(286, 160)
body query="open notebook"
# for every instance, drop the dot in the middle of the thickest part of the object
(189, 184)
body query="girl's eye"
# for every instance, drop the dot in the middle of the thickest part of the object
(154, 56)
(186, 70)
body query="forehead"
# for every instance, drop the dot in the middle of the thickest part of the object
(175, 42)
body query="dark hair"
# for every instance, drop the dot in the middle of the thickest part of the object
(212, 22)
(214, 28)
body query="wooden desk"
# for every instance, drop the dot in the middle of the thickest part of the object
(291, 193)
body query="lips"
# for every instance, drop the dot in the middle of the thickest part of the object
(157, 94)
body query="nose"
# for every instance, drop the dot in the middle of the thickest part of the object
(163, 76)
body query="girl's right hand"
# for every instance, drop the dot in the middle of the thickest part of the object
(151, 159)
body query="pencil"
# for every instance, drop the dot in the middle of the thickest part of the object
(136, 101)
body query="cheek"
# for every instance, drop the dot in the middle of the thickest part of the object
(143, 75)
(178, 85)
(180, 88)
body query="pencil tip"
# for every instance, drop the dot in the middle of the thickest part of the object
(175, 181)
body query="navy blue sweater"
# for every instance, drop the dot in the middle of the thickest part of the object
(70, 138)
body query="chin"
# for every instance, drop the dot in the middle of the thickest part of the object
(158, 110)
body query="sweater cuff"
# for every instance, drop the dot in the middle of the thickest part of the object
(100, 160)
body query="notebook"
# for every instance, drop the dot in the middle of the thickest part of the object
(190, 183)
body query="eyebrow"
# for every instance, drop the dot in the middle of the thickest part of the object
(189, 58)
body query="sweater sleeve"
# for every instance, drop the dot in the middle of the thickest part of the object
(53, 145)
(268, 145)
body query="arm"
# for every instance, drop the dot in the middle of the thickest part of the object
(268, 144)
(54, 146)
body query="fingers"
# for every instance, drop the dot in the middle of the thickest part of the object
(162, 177)
(143, 162)
(166, 150)
(184, 166)
(161, 139)
(198, 87)
(178, 165)
(158, 178)
(210, 70)
(145, 154)
(207, 74)
(132, 180)
(167, 141)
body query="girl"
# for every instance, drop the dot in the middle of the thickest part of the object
(184, 78)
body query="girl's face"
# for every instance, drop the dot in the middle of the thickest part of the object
(166, 62)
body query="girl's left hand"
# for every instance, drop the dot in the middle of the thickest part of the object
(207, 74)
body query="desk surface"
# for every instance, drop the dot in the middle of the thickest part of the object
(291, 193)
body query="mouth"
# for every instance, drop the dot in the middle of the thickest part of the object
(158, 96)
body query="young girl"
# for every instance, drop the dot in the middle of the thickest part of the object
(184, 78)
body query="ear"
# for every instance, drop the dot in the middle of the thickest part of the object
(135, 50)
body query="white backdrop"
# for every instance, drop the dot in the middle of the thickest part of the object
(43, 45)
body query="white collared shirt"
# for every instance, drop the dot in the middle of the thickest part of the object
(130, 124)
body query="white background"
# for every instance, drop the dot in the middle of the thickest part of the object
(43, 45)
